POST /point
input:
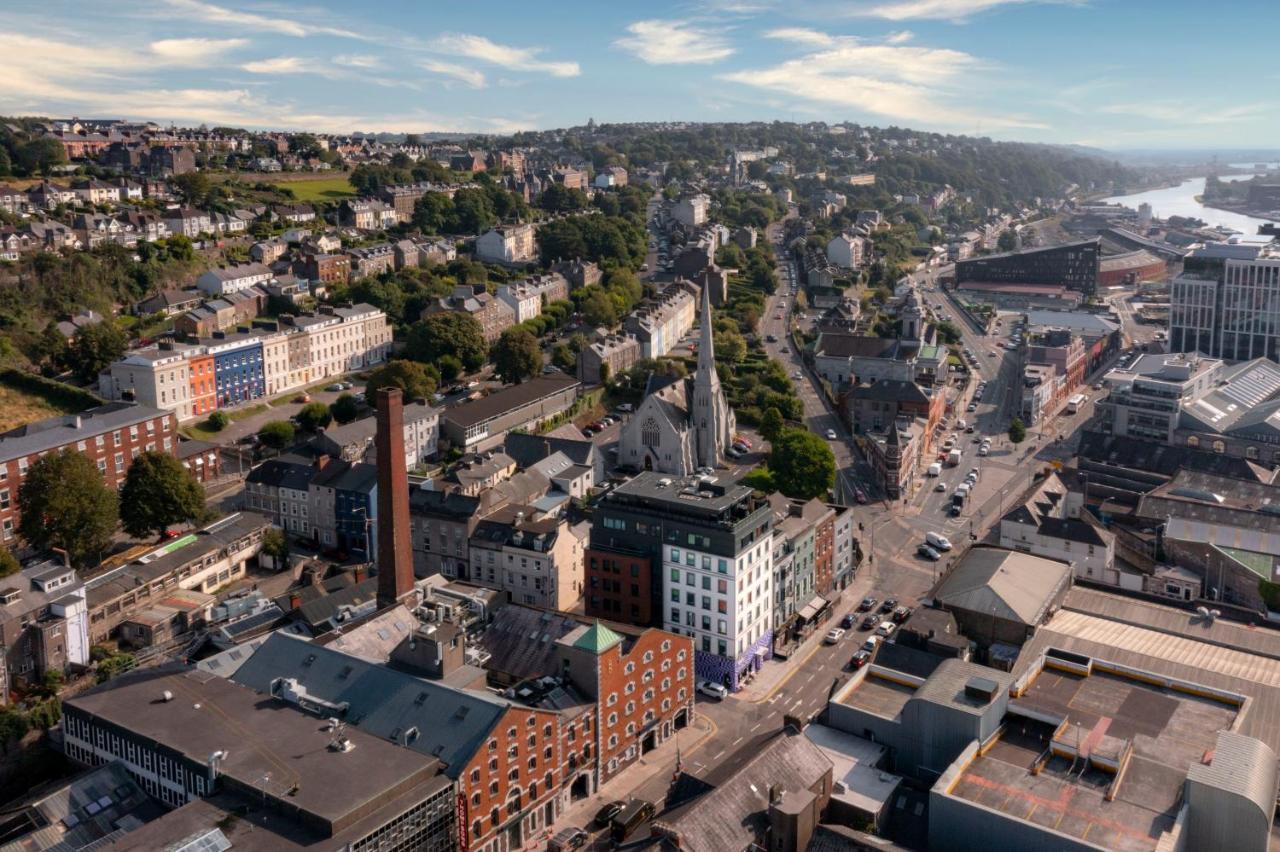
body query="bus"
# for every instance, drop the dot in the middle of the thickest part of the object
(1073, 404)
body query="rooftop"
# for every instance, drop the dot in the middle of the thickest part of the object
(267, 744)
(53, 432)
(881, 693)
(1004, 583)
(509, 399)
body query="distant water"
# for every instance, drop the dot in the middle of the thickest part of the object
(1181, 201)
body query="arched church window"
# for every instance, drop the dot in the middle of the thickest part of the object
(649, 434)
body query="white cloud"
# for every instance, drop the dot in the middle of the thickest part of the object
(955, 10)
(470, 76)
(901, 82)
(899, 37)
(194, 50)
(351, 60)
(285, 23)
(1181, 113)
(800, 35)
(505, 56)
(661, 42)
(283, 65)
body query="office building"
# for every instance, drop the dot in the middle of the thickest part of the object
(1226, 303)
(706, 550)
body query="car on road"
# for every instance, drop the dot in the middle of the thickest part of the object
(711, 689)
(973, 406)
(901, 614)
(1097, 385)
(569, 838)
(937, 541)
(734, 453)
(935, 469)
(797, 375)
(867, 604)
(928, 552)
(833, 636)
(991, 354)
(860, 496)
(871, 644)
(772, 338)
(860, 659)
(741, 447)
(888, 605)
(606, 814)
(886, 629)
(869, 622)
(831, 435)
(941, 486)
(955, 510)
(848, 621)
(984, 450)
(336, 386)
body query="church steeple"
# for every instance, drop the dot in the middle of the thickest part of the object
(709, 410)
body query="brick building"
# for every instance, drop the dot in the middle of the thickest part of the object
(111, 435)
(619, 586)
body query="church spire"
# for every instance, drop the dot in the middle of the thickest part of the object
(706, 344)
(709, 411)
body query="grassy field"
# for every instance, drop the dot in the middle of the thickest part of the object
(18, 408)
(327, 189)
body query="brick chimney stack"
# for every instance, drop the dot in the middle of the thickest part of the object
(395, 559)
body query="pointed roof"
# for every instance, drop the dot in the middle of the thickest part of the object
(597, 639)
(894, 439)
(706, 343)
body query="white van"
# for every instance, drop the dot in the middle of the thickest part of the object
(935, 469)
(936, 541)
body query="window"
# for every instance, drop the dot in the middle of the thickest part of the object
(675, 557)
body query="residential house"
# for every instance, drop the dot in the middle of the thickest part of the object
(327, 268)
(509, 244)
(187, 221)
(525, 302)
(1051, 521)
(371, 260)
(537, 562)
(280, 489)
(494, 315)
(233, 279)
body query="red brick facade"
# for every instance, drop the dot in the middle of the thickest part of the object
(113, 451)
(824, 553)
(645, 694)
(512, 784)
(619, 587)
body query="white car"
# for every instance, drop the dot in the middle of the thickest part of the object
(886, 629)
(831, 435)
(984, 450)
(713, 690)
(834, 635)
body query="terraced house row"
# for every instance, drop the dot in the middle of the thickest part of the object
(230, 368)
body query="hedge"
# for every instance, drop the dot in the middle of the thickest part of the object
(54, 392)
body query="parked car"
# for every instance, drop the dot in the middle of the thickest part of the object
(888, 605)
(866, 605)
(569, 838)
(860, 659)
(928, 552)
(868, 622)
(336, 386)
(886, 629)
(833, 636)
(984, 450)
(831, 435)
(871, 644)
(901, 614)
(859, 495)
(606, 814)
(937, 541)
(941, 486)
(711, 689)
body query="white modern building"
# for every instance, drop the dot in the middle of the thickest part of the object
(508, 244)
(1226, 302)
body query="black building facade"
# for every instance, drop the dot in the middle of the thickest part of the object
(1072, 265)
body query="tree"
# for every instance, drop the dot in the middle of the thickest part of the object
(95, 348)
(563, 357)
(40, 155)
(416, 381)
(948, 332)
(277, 434)
(431, 212)
(730, 346)
(450, 367)
(1007, 241)
(517, 356)
(344, 409)
(194, 187)
(772, 424)
(275, 544)
(314, 416)
(472, 212)
(9, 563)
(217, 421)
(65, 504)
(802, 464)
(158, 492)
(599, 310)
(1017, 431)
(449, 333)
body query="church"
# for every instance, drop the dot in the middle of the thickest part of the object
(684, 424)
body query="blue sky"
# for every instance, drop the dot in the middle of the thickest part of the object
(1111, 73)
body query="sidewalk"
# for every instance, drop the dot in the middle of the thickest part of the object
(650, 773)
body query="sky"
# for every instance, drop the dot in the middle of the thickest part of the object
(1114, 74)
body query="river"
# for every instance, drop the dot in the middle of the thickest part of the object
(1181, 201)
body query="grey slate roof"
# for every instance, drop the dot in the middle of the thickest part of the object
(1008, 584)
(522, 641)
(289, 471)
(54, 432)
(736, 814)
(382, 702)
(529, 449)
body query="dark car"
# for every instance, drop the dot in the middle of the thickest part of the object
(867, 604)
(606, 814)
(634, 813)
(888, 605)
(859, 660)
(848, 621)
(901, 614)
(869, 622)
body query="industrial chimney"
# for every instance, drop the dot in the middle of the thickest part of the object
(395, 559)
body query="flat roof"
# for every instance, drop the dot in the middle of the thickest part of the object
(1168, 730)
(854, 760)
(509, 399)
(879, 696)
(262, 737)
(686, 492)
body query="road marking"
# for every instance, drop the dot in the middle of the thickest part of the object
(738, 740)
(719, 754)
(756, 726)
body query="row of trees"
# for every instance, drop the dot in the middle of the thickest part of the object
(66, 505)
